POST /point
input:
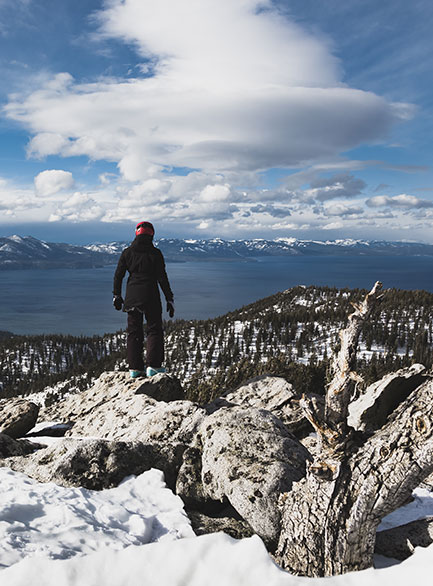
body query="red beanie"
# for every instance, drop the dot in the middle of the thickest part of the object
(144, 228)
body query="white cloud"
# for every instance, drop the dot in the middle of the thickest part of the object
(79, 207)
(233, 88)
(341, 209)
(53, 181)
(215, 193)
(17, 202)
(228, 89)
(403, 201)
(344, 185)
(274, 211)
(46, 143)
(333, 226)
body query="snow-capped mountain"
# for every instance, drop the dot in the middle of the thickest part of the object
(176, 249)
(18, 252)
(25, 252)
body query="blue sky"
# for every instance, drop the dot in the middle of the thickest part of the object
(229, 118)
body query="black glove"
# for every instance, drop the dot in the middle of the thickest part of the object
(170, 308)
(117, 302)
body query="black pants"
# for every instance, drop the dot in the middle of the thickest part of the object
(155, 337)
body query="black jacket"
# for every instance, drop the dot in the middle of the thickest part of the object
(146, 268)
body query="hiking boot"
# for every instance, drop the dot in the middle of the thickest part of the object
(151, 371)
(136, 373)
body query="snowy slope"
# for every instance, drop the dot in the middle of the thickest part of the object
(211, 560)
(138, 535)
(23, 252)
(47, 520)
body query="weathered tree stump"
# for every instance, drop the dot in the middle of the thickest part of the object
(330, 517)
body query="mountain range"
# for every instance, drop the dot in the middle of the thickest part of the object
(24, 252)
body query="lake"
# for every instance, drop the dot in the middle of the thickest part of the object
(79, 301)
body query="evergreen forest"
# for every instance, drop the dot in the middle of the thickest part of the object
(291, 334)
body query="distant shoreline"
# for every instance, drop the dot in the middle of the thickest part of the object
(210, 259)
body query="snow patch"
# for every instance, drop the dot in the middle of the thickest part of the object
(47, 520)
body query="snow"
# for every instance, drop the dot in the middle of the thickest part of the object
(138, 533)
(419, 508)
(47, 520)
(210, 560)
(108, 533)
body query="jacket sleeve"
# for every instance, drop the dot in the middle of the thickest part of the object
(161, 275)
(119, 274)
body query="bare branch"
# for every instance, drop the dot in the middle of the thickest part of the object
(342, 384)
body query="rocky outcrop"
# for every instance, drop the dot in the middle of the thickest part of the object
(248, 457)
(399, 542)
(370, 411)
(204, 524)
(119, 408)
(94, 464)
(10, 447)
(119, 388)
(272, 393)
(229, 461)
(162, 387)
(127, 420)
(239, 454)
(17, 417)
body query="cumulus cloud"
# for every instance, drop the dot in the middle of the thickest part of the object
(341, 209)
(225, 91)
(268, 95)
(274, 211)
(53, 181)
(403, 201)
(344, 185)
(213, 193)
(16, 202)
(77, 208)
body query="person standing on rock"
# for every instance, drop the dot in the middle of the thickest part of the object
(146, 268)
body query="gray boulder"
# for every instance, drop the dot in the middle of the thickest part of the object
(249, 458)
(116, 408)
(142, 420)
(399, 542)
(370, 411)
(119, 408)
(17, 416)
(161, 387)
(203, 524)
(189, 483)
(10, 447)
(272, 393)
(115, 386)
(93, 464)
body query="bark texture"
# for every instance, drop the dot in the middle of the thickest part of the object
(330, 517)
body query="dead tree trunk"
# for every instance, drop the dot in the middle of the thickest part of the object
(330, 517)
